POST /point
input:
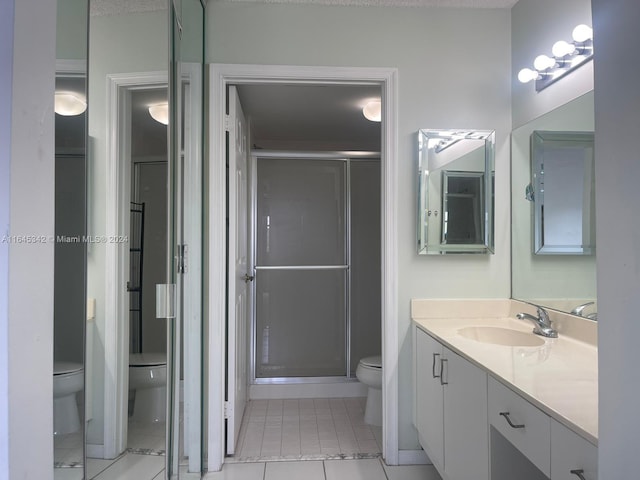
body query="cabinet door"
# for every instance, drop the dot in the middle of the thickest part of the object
(571, 453)
(429, 402)
(466, 436)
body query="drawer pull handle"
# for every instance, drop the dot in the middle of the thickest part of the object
(578, 473)
(442, 362)
(511, 424)
(433, 366)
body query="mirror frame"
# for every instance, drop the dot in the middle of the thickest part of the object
(427, 213)
(540, 142)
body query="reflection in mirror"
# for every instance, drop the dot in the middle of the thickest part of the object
(455, 191)
(128, 58)
(562, 282)
(70, 234)
(562, 169)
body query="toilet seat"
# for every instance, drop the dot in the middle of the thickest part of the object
(372, 362)
(64, 367)
(147, 359)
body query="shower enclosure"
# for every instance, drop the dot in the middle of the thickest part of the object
(316, 251)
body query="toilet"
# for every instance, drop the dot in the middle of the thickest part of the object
(68, 380)
(148, 378)
(369, 372)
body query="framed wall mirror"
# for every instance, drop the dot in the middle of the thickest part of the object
(455, 191)
(565, 282)
(563, 195)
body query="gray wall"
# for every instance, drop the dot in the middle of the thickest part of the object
(27, 61)
(617, 102)
(454, 72)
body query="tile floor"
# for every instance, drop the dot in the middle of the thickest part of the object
(148, 467)
(311, 439)
(362, 469)
(142, 440)
(320, 428)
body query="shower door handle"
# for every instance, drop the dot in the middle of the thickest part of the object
(248, 278)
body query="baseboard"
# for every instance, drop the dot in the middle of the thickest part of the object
(308, 390)
(413, 457)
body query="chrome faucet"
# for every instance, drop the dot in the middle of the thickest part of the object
(542, 323)
(580, 308)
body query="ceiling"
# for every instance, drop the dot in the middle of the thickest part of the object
(317, 117)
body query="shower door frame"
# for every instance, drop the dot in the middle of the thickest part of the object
(221, 76)
(342, 156)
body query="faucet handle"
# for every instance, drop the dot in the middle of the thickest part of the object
(543, 316)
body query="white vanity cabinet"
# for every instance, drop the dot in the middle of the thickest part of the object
(572, 457)
(555, 450)
(451, 410)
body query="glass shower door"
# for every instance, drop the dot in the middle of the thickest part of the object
(301, 269)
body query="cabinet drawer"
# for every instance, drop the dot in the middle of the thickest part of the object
(570, 452)
(531, 432)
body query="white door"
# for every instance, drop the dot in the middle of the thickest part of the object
(239, 277)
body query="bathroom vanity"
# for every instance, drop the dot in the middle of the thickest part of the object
(494, 401)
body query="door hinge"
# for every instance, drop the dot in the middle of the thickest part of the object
(228, 409)
(181, 259)
(227, 123)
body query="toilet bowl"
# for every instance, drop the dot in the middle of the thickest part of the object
(68, 380)
(148, 378)
(369, 372)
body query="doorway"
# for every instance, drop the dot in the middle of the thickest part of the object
(222, 77)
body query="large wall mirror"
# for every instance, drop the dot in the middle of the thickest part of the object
(120, 200)
(553, 219)
(455, 191)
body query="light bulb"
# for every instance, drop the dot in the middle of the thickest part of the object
(582, 33)
(543, 62)
(562, 49)
(69, 104)
(160, 113)
(373, 111)
(526, 75)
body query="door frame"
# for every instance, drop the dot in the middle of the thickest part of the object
(222, 75)
(116, 305)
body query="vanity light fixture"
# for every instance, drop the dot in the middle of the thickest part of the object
(69, 104)
(373, 111)
(566, 57)
(160, 113)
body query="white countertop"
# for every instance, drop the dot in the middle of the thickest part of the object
(559, 377)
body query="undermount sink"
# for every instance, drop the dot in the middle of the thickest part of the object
(501, 336)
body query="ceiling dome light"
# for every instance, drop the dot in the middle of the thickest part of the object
(526, 75)
(69, 104)
(373, 111)
(160, 113)
(582, 33)
(562, 49)
(543, 62)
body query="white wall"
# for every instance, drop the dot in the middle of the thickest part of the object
(26, 208)
(72, 29)
(454, 72)
(535, 26)
(135, 42)
(617, 103)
